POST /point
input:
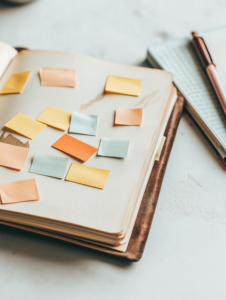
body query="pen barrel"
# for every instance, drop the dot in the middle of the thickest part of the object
(217, 85)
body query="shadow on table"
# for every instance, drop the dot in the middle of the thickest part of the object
(43, 248)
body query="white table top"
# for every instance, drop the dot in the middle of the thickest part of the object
(186, 249)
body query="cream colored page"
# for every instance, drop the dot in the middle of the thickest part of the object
(67, 201)
(7, 53)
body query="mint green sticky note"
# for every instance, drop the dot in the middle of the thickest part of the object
(113, 148)
(83, 124)
(49, 165)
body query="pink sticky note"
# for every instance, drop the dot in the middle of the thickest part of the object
(13, 157)
(19, 191)
(57, 77)
(129, 117)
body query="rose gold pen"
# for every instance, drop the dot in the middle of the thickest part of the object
(210, 68)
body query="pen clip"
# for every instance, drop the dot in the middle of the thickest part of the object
(207, 50)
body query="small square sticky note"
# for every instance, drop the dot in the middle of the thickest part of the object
(57, 77)
(74, 147)
(113, 148)
(25, 125)
(83, 124)
(15, 83)
(49, 165)
(129, 117)
(123, 85)
(88, 175)
(13, 157)
(19, 191)
(55, 117)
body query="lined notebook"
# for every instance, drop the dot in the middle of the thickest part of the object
(179, 57)
(103, 217)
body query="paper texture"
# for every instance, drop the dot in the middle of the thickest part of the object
(15, 83)
(55, 117)
(57, 77)
(130, 117)
(83, 124)
(12, 156)
(25, 125)
(113, 148)
(49, 165)
(110, 207)
(75, 147)
(159, 151)
(123, 85)
(88, 175)
(7, 53)
(19, 191)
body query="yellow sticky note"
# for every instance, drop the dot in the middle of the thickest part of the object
(56, 117)
(15, 83)
(25, 125)
(123, 85)
(159, 151)
(88, 175)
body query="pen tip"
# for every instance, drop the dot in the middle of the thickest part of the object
(194, 34)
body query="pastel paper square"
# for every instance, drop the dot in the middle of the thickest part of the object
(55, 117)
(123, 85)
(49, 165)
(74, 147)
(15, 83)
(113, 148)
(13, 157)
(58, 77)
(25, 125)
(88, 175)
(129, 117)
(19, 191)
(83, 124)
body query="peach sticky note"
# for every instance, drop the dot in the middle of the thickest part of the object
(57, 77)
(15, 83)
(56, 117)
(13, 157)
(74, 147)
(128, 117)
(88, 175)
(19, 191)
(123, 85)
(25, 125)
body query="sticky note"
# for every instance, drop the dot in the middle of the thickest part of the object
(159, 151)
(88, 175)
(113, 148)
(74, 147)
(55, 117)
(49, 165)
(83, 124)
(13, 157)
(25, 125)
(19, 191)
(129, 117)
(57, 77)
(123, 85)
(15, 83)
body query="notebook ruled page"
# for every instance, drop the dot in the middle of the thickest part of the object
(178, 56)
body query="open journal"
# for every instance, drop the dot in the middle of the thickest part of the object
(83, 212)
(179, 57)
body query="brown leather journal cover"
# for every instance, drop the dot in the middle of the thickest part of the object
(149, 202)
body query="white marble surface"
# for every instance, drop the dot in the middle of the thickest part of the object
(185, 256)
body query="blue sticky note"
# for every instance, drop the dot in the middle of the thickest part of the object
(49, 165)
(83, 124)
(113, 148)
